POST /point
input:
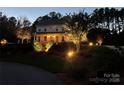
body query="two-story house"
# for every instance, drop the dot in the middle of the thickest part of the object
(50, 31)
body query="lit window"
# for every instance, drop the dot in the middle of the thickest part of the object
(45, 38)
(38, 38)
(63, 39)
(52, 38)
(35, 38)
(57, 39)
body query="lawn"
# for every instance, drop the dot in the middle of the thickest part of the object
(25, 55)
(93, 62)
(77, 70)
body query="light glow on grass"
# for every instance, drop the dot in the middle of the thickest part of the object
(90, 43)
(70, 54)
(3, 42)
(97, 44)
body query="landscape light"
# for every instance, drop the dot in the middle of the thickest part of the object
(70, 54)
(90, 43)
(97, 44)
(100, 42)
(3, 42)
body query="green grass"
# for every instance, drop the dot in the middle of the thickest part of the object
(46, 62)
(92, 60)
(103, 58)
(89, 60)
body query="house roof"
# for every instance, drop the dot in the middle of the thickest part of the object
(50, 22)
(47, 32)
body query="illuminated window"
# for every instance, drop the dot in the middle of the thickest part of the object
(63, 39)
(62, 29)
(51, 38)
(57, 39)
(38, 38)
(35, 38)
(45, 38)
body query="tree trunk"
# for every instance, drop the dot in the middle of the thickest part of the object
(22, 41)
(18, 41)
(27, 41)
(77, 47)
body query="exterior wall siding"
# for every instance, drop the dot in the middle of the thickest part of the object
(50, 33)
(50, 28)
(56, 37)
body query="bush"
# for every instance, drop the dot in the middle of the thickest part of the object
(61, 48)
(12, 49)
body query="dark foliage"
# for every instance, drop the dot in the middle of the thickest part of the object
(61, 48)
(15, 49)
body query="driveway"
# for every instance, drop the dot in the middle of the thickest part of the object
(19, 74)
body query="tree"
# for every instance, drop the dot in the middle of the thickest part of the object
(107, 17)
(12, 22)
(24, 34)
(23, 31)
(77, 27)
(23, 22)
(7, 28)
(54, 15)
(122, 17)
(96, 35)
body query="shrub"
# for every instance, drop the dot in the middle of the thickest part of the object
(13, 49)
(61, 48)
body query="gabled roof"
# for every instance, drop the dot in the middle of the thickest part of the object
(47, 32)
(50, 22)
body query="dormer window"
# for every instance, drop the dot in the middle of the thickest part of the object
(62, 29)
(45, 30)
(57, 29)
(39, 30)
